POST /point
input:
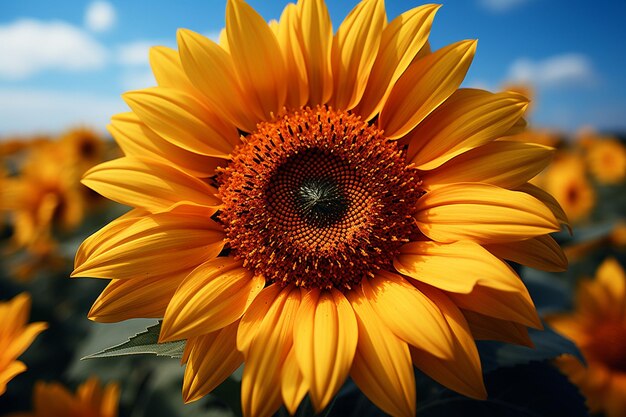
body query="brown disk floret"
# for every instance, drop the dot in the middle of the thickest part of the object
(318, 198)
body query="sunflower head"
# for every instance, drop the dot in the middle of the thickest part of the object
(45, 194)
(318, 198)
(567, 181)
(83, 145)
(607, 160)
(51, 399)
(597, 326)
(15, 336)
(317, 205)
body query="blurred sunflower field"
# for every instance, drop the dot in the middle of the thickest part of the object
(311, 209)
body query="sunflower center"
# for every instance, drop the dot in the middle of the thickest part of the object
(318, 198)
(572, 194)
(321, 201)
(608, 345)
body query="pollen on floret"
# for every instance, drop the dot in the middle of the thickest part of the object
(318, 198)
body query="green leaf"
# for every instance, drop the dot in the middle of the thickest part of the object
(142, 343)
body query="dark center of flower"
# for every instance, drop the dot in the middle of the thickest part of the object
(572, 194)
(608, 345)
(318, 198)
(321, 201)
(87, 148)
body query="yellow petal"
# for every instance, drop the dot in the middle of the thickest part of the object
(151, 246)
(109, 405)
(213, 358)
(401, 41)
(293, 387)
(52, 397)
(482, 213)
(382, 363)
(541, 252)
(212, 296)
(615, 402)
(424, 86)
(456, 267)
(354, 50)
(505, 164)
(254, 315)
(148, 184)
(317, 38)
(592, 300)
(90, 391)
(183, 121)
(489, 328)
(186, 353)
(168, 70)
(512, 305)
(18, 308)
(409, 313)
(92, 244)
(258, 61)
(519, 127)
(139, 297)
(463, 373)
(288, 35)
(611, 276)
(265, 358)
(22, 340)
(211, 70)
(469, 118)
(136, 139)
(325, 338)
(549, 201)
(273, 24)
(9, 372)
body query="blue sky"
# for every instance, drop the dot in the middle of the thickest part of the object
(66, 63)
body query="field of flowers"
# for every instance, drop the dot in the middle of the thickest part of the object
(47, 213)
(117, 299)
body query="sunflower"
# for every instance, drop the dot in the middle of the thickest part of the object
(44, 197)
(317, 206)
(82, 147)
(607, 160)
(598, 327)
(15, 336)
(45, 194)
(52, 399)
(566, 179)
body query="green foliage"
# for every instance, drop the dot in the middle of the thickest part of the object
(145, 342)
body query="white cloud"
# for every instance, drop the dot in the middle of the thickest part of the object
(134, 57)
(555, 71)
(137, 79)
(501, 6)
(29, 46)
(134, 53)
(100, 16)
(26, 112)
